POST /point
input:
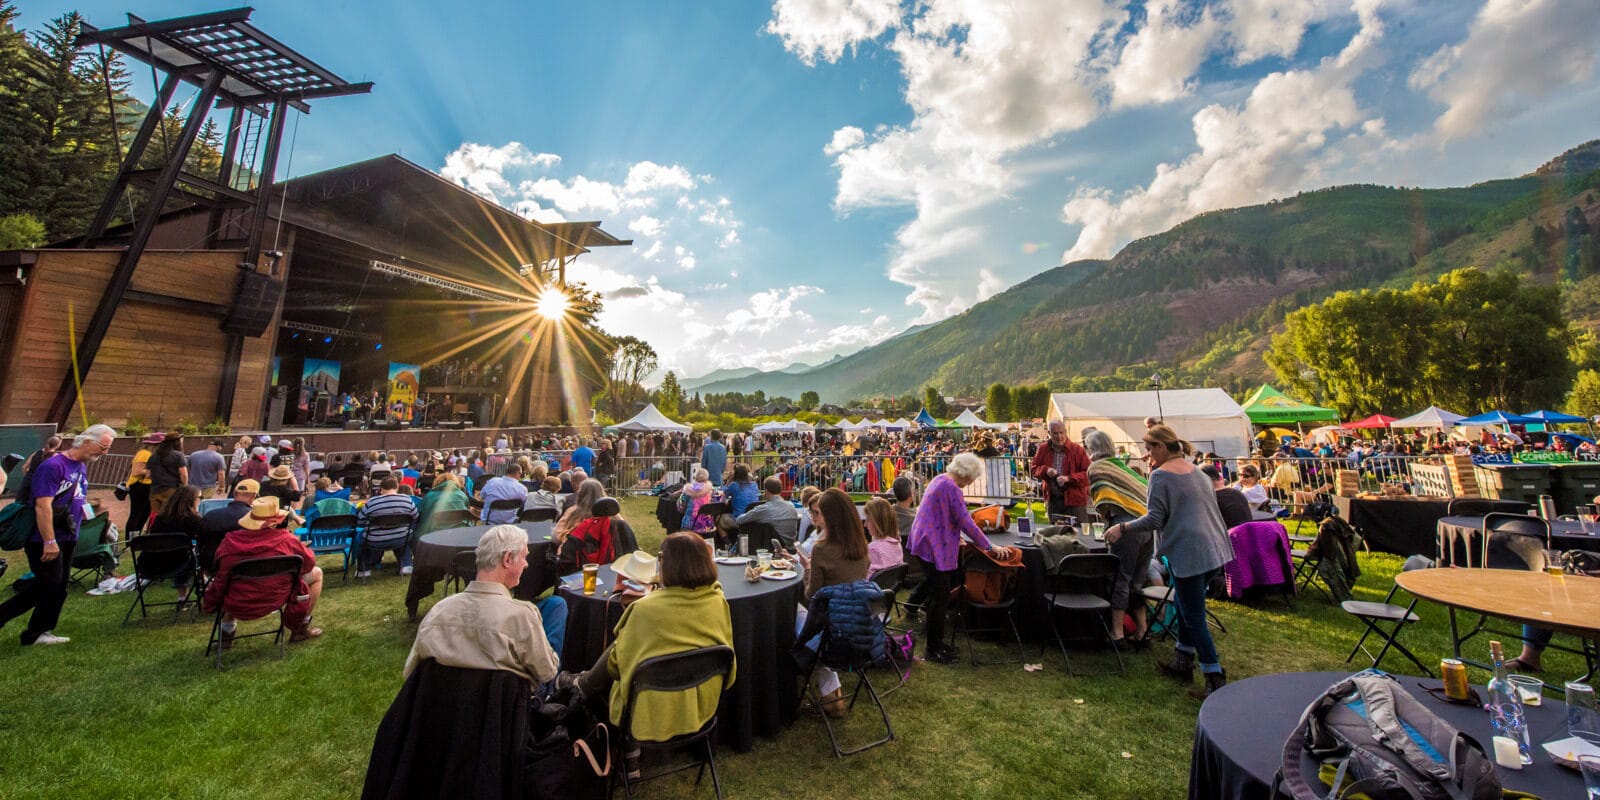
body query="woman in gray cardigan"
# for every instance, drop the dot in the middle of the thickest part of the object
(1184, 507)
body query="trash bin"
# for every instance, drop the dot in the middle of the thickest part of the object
(1522, 482)
(1574, 485)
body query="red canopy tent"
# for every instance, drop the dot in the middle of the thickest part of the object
(1374, 421)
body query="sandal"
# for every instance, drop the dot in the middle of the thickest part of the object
(305, 633)
(1518, 665)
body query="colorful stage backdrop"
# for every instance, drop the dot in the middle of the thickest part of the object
(318, 376)
(404, 384)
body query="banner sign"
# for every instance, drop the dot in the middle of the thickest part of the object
(403, 387)
(1540, 457)
(1492, 458)
(317, 376)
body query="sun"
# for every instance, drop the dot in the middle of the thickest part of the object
(551, 303)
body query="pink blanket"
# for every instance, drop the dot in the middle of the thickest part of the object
(1260, 557)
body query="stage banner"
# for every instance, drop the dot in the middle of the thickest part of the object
(403, 386)
(317, 376)
(277, 366)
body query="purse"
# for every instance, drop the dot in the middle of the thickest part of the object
(569, 751)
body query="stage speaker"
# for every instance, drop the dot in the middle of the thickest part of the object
(277, 405)
(254, 303)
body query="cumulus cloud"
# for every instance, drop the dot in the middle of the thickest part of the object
(1158, 60)
(481, 168)
(824, 29)
(843, 139)
(1268, 146)
(1516, 51)
(645, 225)
(1262, 28)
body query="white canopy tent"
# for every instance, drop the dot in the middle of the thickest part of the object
(650, 419)
(967, 419)
(846, 425)
(1430, 417)
(1208, 418)
(798, 426)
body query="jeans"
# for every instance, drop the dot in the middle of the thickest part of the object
(45, 594)
(938, 583)
(553, 613)
(138, 507)
(1189, 596)
(1537, 638)
(372, 555)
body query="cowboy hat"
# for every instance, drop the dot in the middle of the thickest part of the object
(154, 438)
(264, 512)
(280, 473)
(637, 566)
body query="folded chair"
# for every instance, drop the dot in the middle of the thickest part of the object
(1082, 584)
(846, 655)
(286, 569)
(1372, 614)
(383, 522)
(678, 672)
(890, 579)
(160, 557)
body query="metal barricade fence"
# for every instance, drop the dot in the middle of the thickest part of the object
(109, 470)
(1322, 474)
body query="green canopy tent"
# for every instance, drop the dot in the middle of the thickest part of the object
(1268, 406)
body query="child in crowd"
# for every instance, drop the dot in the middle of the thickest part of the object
(883, 551)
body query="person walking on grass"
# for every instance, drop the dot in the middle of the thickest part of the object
(60, 504)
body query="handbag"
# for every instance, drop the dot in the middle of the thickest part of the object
(569, 751)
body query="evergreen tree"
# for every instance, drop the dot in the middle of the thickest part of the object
(998, 403)
(20, 137)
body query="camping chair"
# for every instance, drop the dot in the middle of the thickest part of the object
(1165, 606)
(1007, 605)
(160, 557)
(511, 504)
(678, 672)
(890, 579)
(1082, 582)
(463, 570)
(839, 655)
(288, 568)
(454, 518)
(383, 522)
(1371, 614)
(334, 533)
(538, 514)
(93, 556)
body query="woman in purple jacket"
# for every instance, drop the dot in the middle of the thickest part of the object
(936, 542)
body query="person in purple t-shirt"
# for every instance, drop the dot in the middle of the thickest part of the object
(936, 543)
(60, 494)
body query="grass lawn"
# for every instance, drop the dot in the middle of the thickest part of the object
(137, 712)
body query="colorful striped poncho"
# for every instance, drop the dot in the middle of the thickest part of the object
(1113, 483)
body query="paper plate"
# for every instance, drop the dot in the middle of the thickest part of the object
(779, 574)
(733, 561)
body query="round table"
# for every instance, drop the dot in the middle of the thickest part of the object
(1458, 533)
(1033, 591)
(764, 697)
(1239, 736)
(433, 553)
(1569, 603)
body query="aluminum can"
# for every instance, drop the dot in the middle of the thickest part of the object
(1454, 674)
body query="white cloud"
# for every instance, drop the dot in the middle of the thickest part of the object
(645, 225)
(1516, 51)
(648, 177)
(1158, 60)
(1264, 28)
(481, 168)
(684, 257)
(813, 29)
(1272, 144)
(843, 139)
(654, 250)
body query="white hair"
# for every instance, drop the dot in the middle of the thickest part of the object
(700, 474)
(1098, 445)
(965, 467)
(496, 542)
(93, 433)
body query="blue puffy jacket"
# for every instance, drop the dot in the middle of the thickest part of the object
(854, 633)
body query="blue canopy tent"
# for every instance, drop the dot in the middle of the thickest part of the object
(925, 420)
(1572, 439)
(1495, 418)
(1554, 417)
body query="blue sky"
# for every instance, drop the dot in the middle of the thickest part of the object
(807, 177)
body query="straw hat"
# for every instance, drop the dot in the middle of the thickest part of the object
(637, 566)
(264, 512)
(280, 473)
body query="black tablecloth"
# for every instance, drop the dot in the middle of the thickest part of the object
(1403, 527)
(1564, 535)
(764, 699)
(1239, 736)
(432, 554)
(1033, 592)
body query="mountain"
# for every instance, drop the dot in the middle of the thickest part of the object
(1203, 297)
(734, 373)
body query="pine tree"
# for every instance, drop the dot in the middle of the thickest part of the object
(20, 138)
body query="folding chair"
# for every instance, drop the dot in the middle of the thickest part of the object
(463, 570)
(1468, 507)
(678, 672)
(1514, 541)
(1305, 570)
(335, 533)
(288, 568)
(160, 557)
(844, 659)
(93, 555)
(382, 522)
(511, 504)
(890, 579)
(1082, 583)
(454, 518)
(764, 533)
(538, 515)
(1371, 614)
(1162, 597)
(1006, 605)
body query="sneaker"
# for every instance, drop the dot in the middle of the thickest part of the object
(568, 681)
(305, 632)
(225, 639)
(49, 637)
(363, 573)
(405, 570)
(945, 655)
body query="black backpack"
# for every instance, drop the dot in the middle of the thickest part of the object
(1382, 743)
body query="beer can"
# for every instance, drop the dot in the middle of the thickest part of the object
(1454, 674)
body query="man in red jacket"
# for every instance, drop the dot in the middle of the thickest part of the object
(259, 537)
(1062, 465)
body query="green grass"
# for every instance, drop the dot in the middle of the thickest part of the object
(137, 712)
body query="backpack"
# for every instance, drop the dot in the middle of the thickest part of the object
(1379, 741)
(16, 525)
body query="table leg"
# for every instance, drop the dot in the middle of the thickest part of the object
(1455, 639)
